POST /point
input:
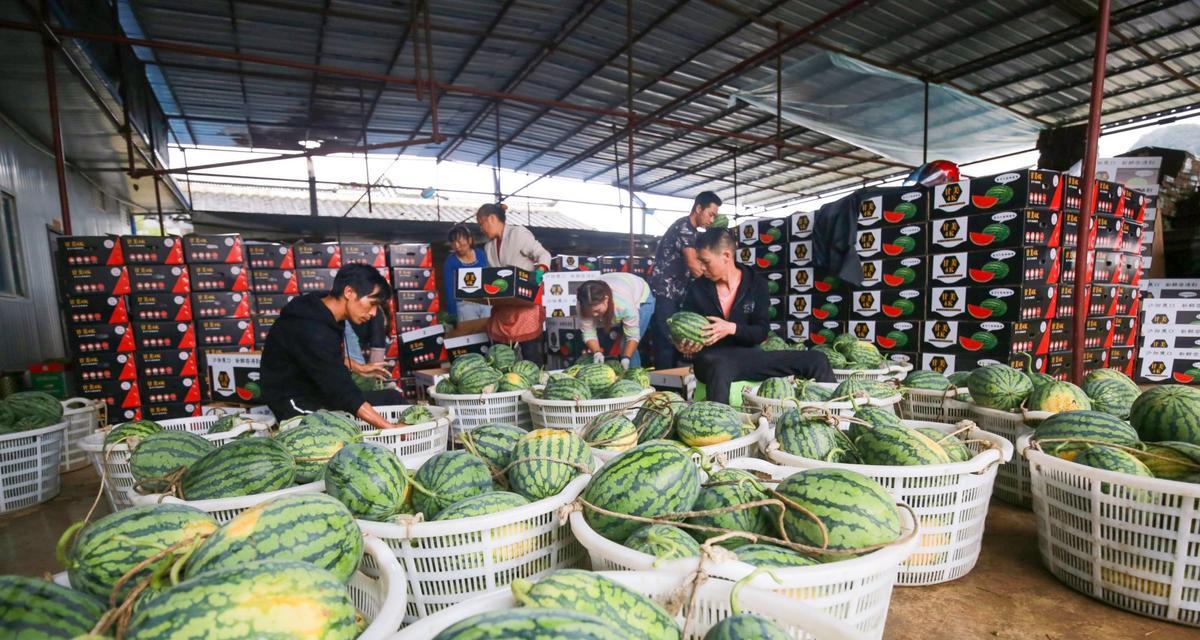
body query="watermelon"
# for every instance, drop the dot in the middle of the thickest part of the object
(513, 382)
(482, 504)
(611, 432)
(464, 363)
(597, 377)
(926, 381)
(545, 461)
(340, 420)
(447, 478)
(776, 389)
(728, 488)
(745, 626)
(958, 379)
(586, 592)
(843, 342)
(264, 599)
(812, 437)
(664, 542)
(891, 446)
(369, 480)
(312, 446)
(416, 414)
(36, 608)
(1112, 396)
(836, 359)
(640, 375)
(1171, 460)
(856, 510)
(308, 527)
(479, 380)
(134, 429)
(706, 423)
(161, 456)
(225, 424)
(650, 480)
(810, 391)
(1112, 459)
(1054, 432)
(1036, 377)
(1105, 374)
(686, 325)
(875, 417)
(113, 545)
(31, 410)
(566, 388)
(528, 370)
(656, 417)
(501, 357)
(493, 443)
(240, 468)
(999, 386)
(954, 448)
(1168, 412)
(445, 387)
(768, 555)
(862, 352)
(621, 389)
(1058, 396)
(526, 623)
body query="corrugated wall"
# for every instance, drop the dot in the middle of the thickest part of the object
(30, 328)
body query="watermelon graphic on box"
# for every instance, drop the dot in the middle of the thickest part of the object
(1031, 188)
(892, 205)
(888, 335)
(893, 241)
(1015, 266)
(1003, 229)
(906, 304)
(1028, 302)
(829, 306)
(988, 337)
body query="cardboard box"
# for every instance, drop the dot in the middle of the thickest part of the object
(417, 302)
(219, 277)
(1065, 307)
(1105, 234)
(948, 363)
(413, 321)
(901, 304)
(796, 330)
(1125, 331)
(152, 249)
(800, 224)
(416, 255)
(564, 337)
(559, 306)
(1135, 237)
(777, 308)
(213, 248)
(172, 410)
(421, 348)
(800, 253)
(1098, 332)
(1180, 366)
(1111, 267)
(1123, 359)
(766, 231)
(93, 338)
(274, 281)
(993, 267)
(496, 283)
(317, 255)
(800, 280)
(175, 307)
(222, 304)
(462, 345)
(565, 284)
(96, 309)
(893, 205)
(614, 264)
(153, 278)
(410, 279)
(1000, 230)
(224, 332)
(165, 335)
(170, 390)
(167, 362)
(642, 266)
(1128, 301)
(777, 282)
(364, 253)
(271, 304)
(119, 394)
(234, 377)
(893, 241)
(991, 338)
(762, 257)
(1170, 337)
(90, 250)
(1028, 302)
(1165, 311)
(109, 281)
(1036, 188)
(1134, 204)
(824, 331)
(315, 280)
(889, 335)
(1170, 288)
(105, 366)
(894, 272)
(904, 357)
(269, 255)
(565, 263)
(262, 328)
(1059, 364)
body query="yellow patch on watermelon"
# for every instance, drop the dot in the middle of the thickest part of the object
(295, 616)
(244, 524)
(1062, 402)
(199, 529)
(933, 446)
(704, 441)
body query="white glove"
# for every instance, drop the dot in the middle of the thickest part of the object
(598, 357)
(624, 363)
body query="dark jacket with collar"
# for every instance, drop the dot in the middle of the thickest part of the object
(304, 358)
(751, 306)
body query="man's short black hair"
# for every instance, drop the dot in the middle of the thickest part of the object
(716, 239)
(705, 198)
(459, 231)
(364, 280)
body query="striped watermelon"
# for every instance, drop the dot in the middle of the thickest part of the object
(133, 429)
(999, 386)
(926, 381)
(566, 388)
(685, 325)
(1036, 378)
(776, 389)
(655, 419)
(479, 380)
(898, 447)
(493, 443)
(744, 626)
(1105, 374)
(1054, 433)
(597, 377)
(954, 448)
(240, 468)
(958, 379)
(1058, 396)
(526, 623)
(876, 417)
(650, 480)
(728, 488)
(591, 593)
(611, 432)
(1112, 459)
(369, 480)
(1169, 412)
(856, 510)
(336, 419)
(528, 370)
(312, 446)
(664, 542)
(706, 423)
(113, 545)
(465, 363)
(228, 423)
(545, 461)
(309, 527)
(513, 382)
(768, 555)
(482, 504)
(161, 455)
(1112, 396)
(640, 375)
(264, 599)
(501, 357)
(446, 478)
(416, 414)
(1171, 460)
(39, 609)
(864, 353)
(445, 387)
(621, 389)
(811, 391)
(813, 438)
(31, 410)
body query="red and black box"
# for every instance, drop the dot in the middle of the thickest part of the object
(413, 321)
(114, 393)
(225, 248)
(172, 411)
(219, 277)
(317, 255)
(271, 304)
(1123, 359)
(96, 309)
(1106, 231)
(176, 307)
(364, 253)
(417, 302)
(269, 255)
(413, 279)
(422, 348)
(814, 331)
(105, 366)
(1125, 331)
(1111, 267)
(414, 255)
(1030, 188)
(165, 335)
(167, 362)
(893, 241)
(1025, 302)
(159, 278)
(889, 335)
(222, 304)
(1058, 364)
(163, 390)
(1127, 298)
(152, 249)
(262, 327)
(992, 267)
(1131, 236)
(1133, 205)
(93, 338)
(315, 280)
(899, 304)
(947, 363)
(110, 281)
(574, 263)
(267, 281)
(90, 251)
(894, 272)
(1005, 229)
(224, 332)
(990, 338)
(1065, 307)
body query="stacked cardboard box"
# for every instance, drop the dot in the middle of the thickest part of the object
(1169, 341)
(415, 338)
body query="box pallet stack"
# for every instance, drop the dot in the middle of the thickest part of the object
(419, 341)
(1169, 343)
(564, 340)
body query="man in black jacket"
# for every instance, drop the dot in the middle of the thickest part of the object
(736, 303)
(304, 365)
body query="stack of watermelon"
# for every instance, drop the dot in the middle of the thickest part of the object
(196, 572)
(876, 437)
(29, 410)
(856, 387)
(775, 343)
(846, 351)
(595, 381)
(498, 371)
(666, 415)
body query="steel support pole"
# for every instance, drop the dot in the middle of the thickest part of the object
(162, 223)
(312, 187)
(1083, 257)
(631, 120)
(925, 128)
(60, 161)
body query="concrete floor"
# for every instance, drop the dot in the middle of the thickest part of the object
(1008, 596)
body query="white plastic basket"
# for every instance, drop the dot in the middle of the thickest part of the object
(1127, 540)
(772, 409)
(29, 466)
(574, 415)
(950, 500)
(1012, 480)
(856, 591)
(447, 562)
(412, 444)
(470, 410)
(956, 409)
(225, 509)
(112, 463)
(926, 404)
(82, 417)
(890, 371)
(711, 606)
(743, 447)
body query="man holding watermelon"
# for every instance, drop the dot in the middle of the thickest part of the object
(735, 301)
(675, 266)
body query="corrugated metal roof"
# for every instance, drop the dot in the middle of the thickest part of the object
(1029, 56)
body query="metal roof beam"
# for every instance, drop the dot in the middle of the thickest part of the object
(312, 87)
(1134, 88)
(1175, 96)
(757, 122)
